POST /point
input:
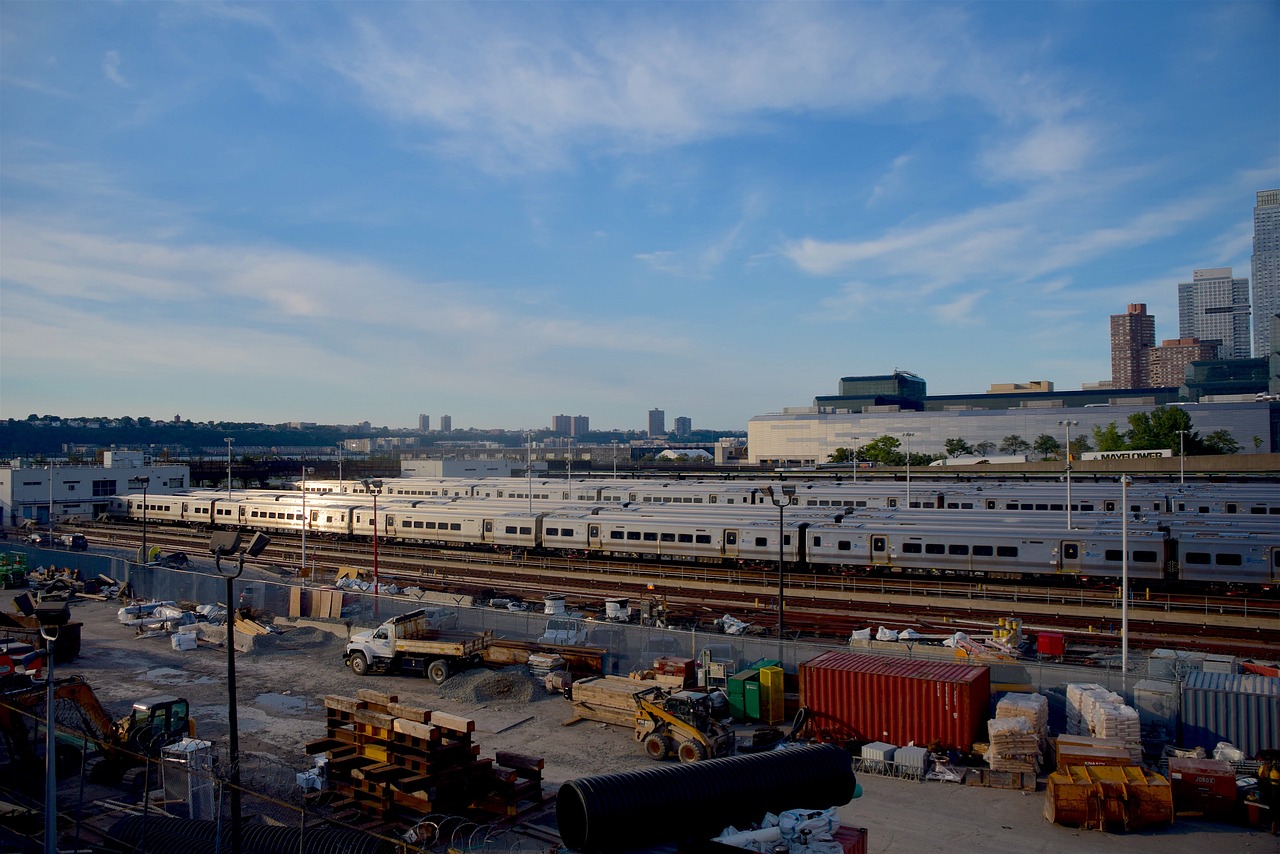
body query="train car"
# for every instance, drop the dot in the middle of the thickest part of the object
(993, 551)
(674, 536)
(1226, 556)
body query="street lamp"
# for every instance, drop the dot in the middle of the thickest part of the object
(51, 543)
(229, 442)
(223, 544)
(51, 618)
(302, 569)
(144, 482)
(1182, 458)
(341, 484)
(375, 488)
(855, 457)
(569, 469)
(528, 466)
(786, 496)
(1068, 424)
(1125, 480)
(908, 437)
(614, 442)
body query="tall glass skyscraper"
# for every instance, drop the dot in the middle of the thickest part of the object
(1266, 271)
(1213, 306)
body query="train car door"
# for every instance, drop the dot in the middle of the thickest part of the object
(730, 542)
(1275, 563)
(486, 531)
(879, 550)
(593, 537)
(389, 527)
(1070, 557)
(185, 506)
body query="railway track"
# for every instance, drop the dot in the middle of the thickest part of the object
(825, 607)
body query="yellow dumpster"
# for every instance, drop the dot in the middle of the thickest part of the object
(1108, 798)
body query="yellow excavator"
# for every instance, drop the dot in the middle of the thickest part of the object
(680, 724)
(83, 724)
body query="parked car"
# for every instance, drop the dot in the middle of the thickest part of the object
(40, 538)
(174, 560)
(75, 542)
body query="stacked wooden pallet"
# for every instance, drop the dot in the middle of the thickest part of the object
(392, 762)
(608, 699)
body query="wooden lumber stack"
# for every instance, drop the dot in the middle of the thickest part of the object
(394, 762)
(608, 699)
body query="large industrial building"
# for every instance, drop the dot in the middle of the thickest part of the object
(894, 405)
(34, 493)
(1266, 273)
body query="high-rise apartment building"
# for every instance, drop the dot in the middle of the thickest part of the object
(657, 423)
(579, 425)
(424, 423)
(1132, 335)
(1169, 362)
(1213, 306)
(684, 426)
(446, 424)
(561, 424)
(1266, 271)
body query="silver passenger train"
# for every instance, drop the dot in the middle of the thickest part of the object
(1004, 541)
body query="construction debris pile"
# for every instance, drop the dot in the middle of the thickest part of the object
(395, 763)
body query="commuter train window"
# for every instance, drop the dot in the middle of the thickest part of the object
(1196, 558)
(1257, 510)
(983, 551)
(1145, 556)
(407, 523)
(511, 529)
(668, 537)
(912, 548)
(1114, 555)
(891, 502)
(566, 532)
(817, 542)
(553, 532)
(844, 546)
(1056, 507)
(1203, 509)
(730, 538)
(684, 538)
(1042, 506)
(526, 530)
(1071, 551)
(650, 536)
(1006, 551)
(593, 531)
(454, 526)
(1228, 559)
(1087, 508)
(956, 549)
(616, 535)
(633, 535)
(878, 544)
(761, 542)
(933, 548)
(702, 539)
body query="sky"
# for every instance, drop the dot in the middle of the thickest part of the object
(500, 212)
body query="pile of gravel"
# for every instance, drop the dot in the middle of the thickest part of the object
(509, 686)
(306, 638)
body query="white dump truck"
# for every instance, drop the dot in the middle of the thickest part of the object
(415, 643)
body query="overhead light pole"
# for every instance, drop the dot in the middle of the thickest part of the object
(908, 438)
(855, 457)
(1182, 458)
(50, 617)
(614, 442)
(51, 543)
(569, 468)
(144, 482)
(341, 483)
(1125, 480)
(230, 441)
(528, 465)
(374, 487)
(223, 544)
(306, 521)
(784, 496)
(1067, 423)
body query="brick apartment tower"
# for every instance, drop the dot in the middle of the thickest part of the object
(1133, 334)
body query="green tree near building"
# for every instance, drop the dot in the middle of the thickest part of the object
(984, 448)
(957, 447)
(884, 451)
(1159, 428)
(1014, 445)
(1220, 442)
(1047, 447)
(1108, 438)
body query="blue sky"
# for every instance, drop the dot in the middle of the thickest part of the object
(365, 211)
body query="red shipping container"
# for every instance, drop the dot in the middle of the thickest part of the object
(866, 698)
(682, 667)
(1051, 644)
(852, 840)
(1205, 786)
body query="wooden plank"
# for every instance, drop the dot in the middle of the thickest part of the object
(453, 722)
(376, 697)
(413, 729)
(407, 712)
(374, 719)
(344, 704)
(518, 760)
(324, 745)
(603, 714)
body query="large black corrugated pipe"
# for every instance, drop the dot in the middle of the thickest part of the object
(671, 803)
(164, 835)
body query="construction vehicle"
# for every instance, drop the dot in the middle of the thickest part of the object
(84, 725)
(414, 643)
(13, 570)
(681, 723)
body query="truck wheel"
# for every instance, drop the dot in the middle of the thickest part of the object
(359, 664)
(655, 746)
(691, 751)
(438, 671)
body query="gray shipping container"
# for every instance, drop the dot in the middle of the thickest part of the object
(1243, 709)
(1157, 705)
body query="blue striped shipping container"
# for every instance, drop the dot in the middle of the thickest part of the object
(1240, 708)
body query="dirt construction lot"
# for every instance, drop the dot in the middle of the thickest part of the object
(282, 682)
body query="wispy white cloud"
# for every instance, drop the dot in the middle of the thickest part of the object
(111, 68)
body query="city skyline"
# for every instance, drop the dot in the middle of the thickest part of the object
(343, 212)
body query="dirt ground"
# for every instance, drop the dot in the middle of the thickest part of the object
(282, 683)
